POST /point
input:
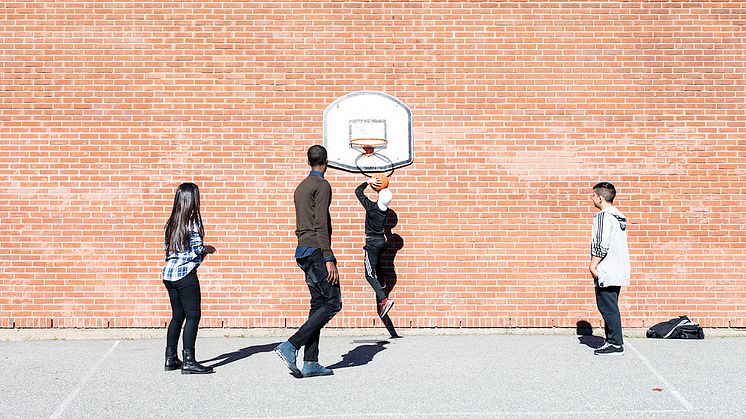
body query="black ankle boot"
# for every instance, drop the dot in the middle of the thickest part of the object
(172, 360)
(191, 366)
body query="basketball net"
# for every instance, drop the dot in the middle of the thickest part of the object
(367, 148)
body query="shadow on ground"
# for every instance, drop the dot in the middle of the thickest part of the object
(585, 335)
(360, 355)
(240, 354)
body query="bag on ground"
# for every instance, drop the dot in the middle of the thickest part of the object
(678, 328)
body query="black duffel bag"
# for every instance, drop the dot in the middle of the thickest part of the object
(678, 328)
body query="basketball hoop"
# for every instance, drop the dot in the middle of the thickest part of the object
(367, 146)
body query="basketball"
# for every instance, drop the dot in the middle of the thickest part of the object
(384, 183)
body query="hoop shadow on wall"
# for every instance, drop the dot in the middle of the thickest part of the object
(386, 269)
(387, 165)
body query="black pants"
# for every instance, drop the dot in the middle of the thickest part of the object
(326, 301)
(374, 248)
(607, 300)
(185, 304)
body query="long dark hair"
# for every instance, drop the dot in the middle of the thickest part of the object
(185, 216)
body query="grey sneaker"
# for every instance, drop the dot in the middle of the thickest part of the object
(609, 349)
(314, 369)
(288, 353)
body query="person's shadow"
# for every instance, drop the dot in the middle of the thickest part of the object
(585, 335)
(360, 355)
(386, 269)
(240, 354)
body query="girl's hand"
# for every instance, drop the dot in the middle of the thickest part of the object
(209, 249)
(374, 181)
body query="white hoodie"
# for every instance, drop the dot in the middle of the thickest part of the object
(609, 242)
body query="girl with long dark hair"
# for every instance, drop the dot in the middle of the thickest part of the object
(184, 253)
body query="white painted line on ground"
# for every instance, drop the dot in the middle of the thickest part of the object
(61, 409)
(688, 406)
(473, 414)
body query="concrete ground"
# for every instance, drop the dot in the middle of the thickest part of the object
(479, 374)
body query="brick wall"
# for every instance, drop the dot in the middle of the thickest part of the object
(519, 108)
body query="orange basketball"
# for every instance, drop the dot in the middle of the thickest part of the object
(384, 183)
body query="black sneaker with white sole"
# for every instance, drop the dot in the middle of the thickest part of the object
(609, 349)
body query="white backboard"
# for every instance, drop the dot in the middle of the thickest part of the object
(368, 115)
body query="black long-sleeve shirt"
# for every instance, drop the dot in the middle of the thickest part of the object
(374, 217)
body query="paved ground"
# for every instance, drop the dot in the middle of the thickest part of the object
(476, 375)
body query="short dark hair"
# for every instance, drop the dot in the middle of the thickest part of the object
(605, 190)
(316, 155)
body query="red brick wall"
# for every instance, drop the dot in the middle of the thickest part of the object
(519, 108)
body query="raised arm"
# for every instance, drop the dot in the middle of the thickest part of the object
(364, 200)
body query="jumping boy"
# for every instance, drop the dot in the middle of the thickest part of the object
(609, 264)
(375, 240)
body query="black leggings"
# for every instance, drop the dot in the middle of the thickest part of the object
(185, 304)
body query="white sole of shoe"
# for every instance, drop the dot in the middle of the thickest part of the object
(387, 309)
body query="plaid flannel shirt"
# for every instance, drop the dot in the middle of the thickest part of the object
(178, 265)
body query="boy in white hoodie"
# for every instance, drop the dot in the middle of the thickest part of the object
(609, 264)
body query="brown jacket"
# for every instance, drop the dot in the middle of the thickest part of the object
(312, 219)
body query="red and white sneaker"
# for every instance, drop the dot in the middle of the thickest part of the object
(384, 307)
